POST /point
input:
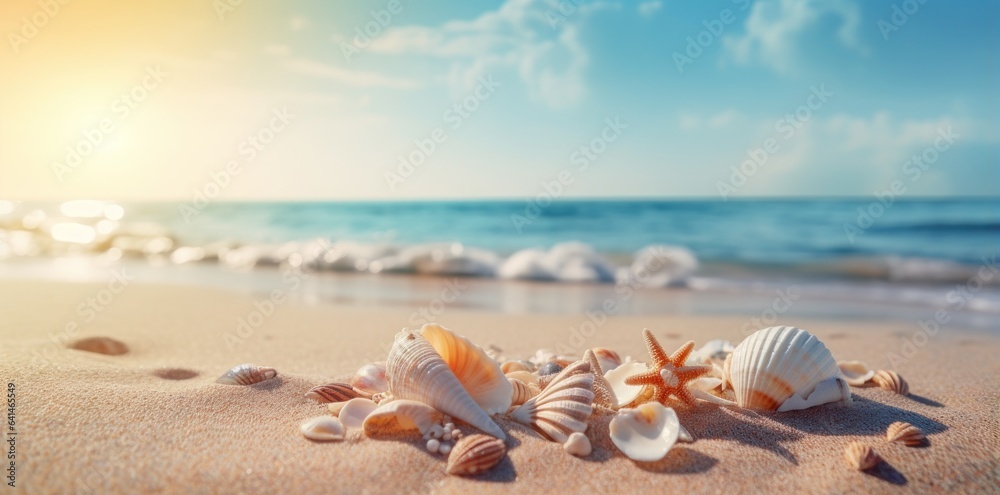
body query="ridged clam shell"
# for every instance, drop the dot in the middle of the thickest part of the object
(522, 392)
(563, 406)
(861, 456)
(370, 379)
(855, 373)
(475, 454)
(332, 392)
(401, 415)
(905, 433)
(414, 370)
(323, 429)
(890, 380)
(476, 371)
(776, 364)
(247, 374)
(645, 433)
(604, 396)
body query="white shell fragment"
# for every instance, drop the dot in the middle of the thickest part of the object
(784, 369)
(414, 370)
(713, 350)
(370, 379)
(323, 429)
(645, 433)
(478, 373)
(355, 411)
(855, 373)
(401, 415)
(563, 406)
(616, 378)
(247, 374)
(578, 444)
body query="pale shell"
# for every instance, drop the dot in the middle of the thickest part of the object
(855, 373)
(476, 371)
(514, 365)
(563, 406)
(784, 369)
(355, 411)
(247, 374)
(332, 392)
(609, 359)
(522, 391)
(712, 351)
(890, 380)
(335, 407)
(624, 393)
(525, 376)
(861, 456)
(416, 371)
(370, 379)
(475, 454)
(645, 433)
(323, 429)
(401, 415)
(905, 433)
(578, 444)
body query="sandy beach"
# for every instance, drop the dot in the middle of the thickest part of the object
(153, 420)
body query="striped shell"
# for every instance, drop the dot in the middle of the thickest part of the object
(323, 429)
(475, 454)
(514, 365)
(247, 374)
(604, 396)
(890, 380)
(476, 371)
(522, 392)
(563, 406)
(784, 369)
(332, 392)
(609, 359)
(414, 370)
(861, 456)
(905, 433)
(525, 376)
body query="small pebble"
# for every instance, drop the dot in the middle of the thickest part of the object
(446, 437)
(445, 448)
(433, 445)
(549, 369)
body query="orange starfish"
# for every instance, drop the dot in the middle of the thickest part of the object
(668, 375)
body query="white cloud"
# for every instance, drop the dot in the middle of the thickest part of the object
(774, 26)
(534, 38)
(349, 77)
(647, 9)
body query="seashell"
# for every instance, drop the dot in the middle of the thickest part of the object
(332, 392)
(855, 373)
(562, 407)
(355, 411)
(604, 396)
(522, 392)
(416, 371)
(861, 456)
(684, 436)
(609, 359)
(247, 374)
(524, 376)
(713, 350)
(784, 369)
(890, 380)
(478, 373)
(543, 381)
(370, 379)
(401, 415)
(509, 366)
(433, 445)
(335, 407)
(905, 433)
(625, 393)
(475, 454)
(549, 369)
(645, 433)
(322, 429)
(578, 444)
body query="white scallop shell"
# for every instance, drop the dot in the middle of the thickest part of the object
(323, 429)
(645, 433)
(855, 373)
(784, 369)
(616, 378)
(476, 371)
(563, 406)
(414, 370)
(401, 415)
(355, 411)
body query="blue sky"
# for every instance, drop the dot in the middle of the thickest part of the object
(555, 85)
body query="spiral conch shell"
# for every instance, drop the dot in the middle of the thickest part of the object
(563, 406)
(247, 374)
(784, 369)
(476, 371)
(415, 371)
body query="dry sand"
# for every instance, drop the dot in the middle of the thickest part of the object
(153, 420)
